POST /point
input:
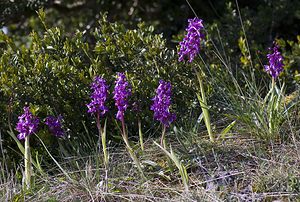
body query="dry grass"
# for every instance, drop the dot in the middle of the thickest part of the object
(235, 170)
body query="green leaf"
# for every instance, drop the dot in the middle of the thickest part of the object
(227, 129)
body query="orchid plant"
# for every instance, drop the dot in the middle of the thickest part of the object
(189, 48)
(274, 68)
(26, 126)
(122, 91)
(161, 108)
(97, 107)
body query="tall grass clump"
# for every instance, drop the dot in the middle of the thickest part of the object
(257, 104)
(240, 89)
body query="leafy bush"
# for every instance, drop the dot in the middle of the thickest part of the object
(291, 53)
(52, 72)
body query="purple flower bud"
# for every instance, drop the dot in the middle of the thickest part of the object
(121, 93)
(54, 125)
(275, 62)
(162, 102)
(99, 96)
(27, 124)
(190, 46)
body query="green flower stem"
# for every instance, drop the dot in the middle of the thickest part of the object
(141, 134)
(99, 129)
(105, 155)
(164, 144)
(163, 138)
(27, 159)
(271, 127)
(22, 150)
(130, 150)
(104, 147)
(102, 139)
(204, 107)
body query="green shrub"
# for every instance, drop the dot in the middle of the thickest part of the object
(52, 72)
